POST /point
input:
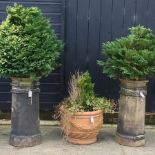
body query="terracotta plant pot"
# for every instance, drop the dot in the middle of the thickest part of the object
(131, 119)
(82, 127)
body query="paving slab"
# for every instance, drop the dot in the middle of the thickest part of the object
(53, 143)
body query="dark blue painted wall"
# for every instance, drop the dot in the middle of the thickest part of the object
(87, 24)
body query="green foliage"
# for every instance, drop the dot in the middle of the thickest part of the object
(131, 57)
(82, 97)
(28, 46)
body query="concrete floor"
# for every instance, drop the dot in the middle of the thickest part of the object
(54, 144)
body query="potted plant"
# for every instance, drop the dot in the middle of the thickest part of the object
(131, 60)
(29, 50)
(82, 112)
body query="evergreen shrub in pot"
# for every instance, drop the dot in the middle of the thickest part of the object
(82, 112)
(131, 59)
(29, 50)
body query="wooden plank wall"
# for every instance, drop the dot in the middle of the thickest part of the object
(89, 23)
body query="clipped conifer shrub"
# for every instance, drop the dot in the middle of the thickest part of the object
(29, 47)
(131, 57)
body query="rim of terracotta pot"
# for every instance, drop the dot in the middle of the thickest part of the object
(85, 113)
(88, 113)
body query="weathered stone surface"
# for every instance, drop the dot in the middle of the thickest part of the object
(131, 118)
(133, 141)
(53, 143)
(25, 123)
(25, 141)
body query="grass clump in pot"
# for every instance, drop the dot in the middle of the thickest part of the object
(82, 97)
